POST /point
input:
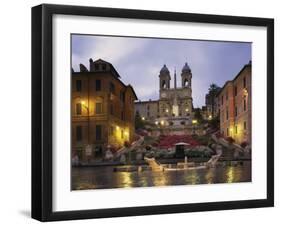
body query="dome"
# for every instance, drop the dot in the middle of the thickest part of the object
(186, 68)
(164, 69)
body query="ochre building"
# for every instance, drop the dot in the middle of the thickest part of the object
(235, 106)
(102, 109)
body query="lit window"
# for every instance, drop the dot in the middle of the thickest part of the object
(236, 129)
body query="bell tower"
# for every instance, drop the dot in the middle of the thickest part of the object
(186, 76)
(164, 78)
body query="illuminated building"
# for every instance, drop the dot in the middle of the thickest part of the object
(235, 106)
(102, 108)
(174, 106)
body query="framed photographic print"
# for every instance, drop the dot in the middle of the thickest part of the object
(145, 112)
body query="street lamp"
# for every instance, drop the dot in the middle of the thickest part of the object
(194, 123)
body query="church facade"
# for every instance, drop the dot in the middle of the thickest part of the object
(174, 106)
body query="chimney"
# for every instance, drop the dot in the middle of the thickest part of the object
(91, 64)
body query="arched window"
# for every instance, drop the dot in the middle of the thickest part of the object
(164, 86)
(185, 83)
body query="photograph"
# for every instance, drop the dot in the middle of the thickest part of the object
(150, 112)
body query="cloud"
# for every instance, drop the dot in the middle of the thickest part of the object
(139, 60)
(112, 49)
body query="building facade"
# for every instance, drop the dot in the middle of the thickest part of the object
(174, 105)
(102, 109)
(235, 106)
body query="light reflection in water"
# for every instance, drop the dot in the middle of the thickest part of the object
(160, 179)
(209, 177)
(126, 179)
(230, 175)
(193, 177)
(104, 177)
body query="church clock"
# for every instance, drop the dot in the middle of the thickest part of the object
(163, 95)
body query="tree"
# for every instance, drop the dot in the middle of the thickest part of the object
(213, 91)
(138, 121)
(197, 115)
(215, 122)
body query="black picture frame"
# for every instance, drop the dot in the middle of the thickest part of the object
(42, 107)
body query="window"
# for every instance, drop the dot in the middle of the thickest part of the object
(221, 100)
(164, 84)
(236, 111)
(226, 96)
(96, 67)
(98, 85)
(78, 133)
(122, 134)
(111, 87)
(122, 96)
(111, 130)
(98, 132)
(111, 109)
(98, 108)
(244, 82)
(185, 84)
(78, 109)
(235, 91)
(122, 115)
(227, 114)
(236, 129)
(103, 67)
(244, 105)
(78, 85)
(245, 125)
(148, 114)
(227, 132)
